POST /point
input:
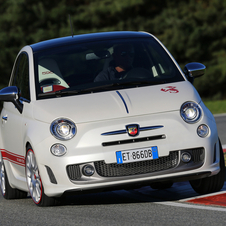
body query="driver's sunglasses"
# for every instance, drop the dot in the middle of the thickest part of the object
(125, 53)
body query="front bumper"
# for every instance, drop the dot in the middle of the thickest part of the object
(136, 185)
(64, 174)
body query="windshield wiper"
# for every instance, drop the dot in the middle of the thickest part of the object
(101, 87)
(77, 91)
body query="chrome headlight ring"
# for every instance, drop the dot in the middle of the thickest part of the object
(190, 112)
(63, 129)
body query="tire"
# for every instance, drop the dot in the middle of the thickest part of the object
(161, 185)
(7, 191)
(211, 184)
(34, 182)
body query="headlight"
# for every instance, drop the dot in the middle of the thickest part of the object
(63, 129)
(190, 112)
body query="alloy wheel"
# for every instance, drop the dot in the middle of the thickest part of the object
(2, 176)
(33, 177)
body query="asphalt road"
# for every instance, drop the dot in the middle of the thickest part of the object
(143, 206)
(136, 207)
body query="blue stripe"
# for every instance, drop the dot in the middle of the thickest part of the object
(150, 128)
(155, 152)
(123, 101)
(119, 157)
(114, 132)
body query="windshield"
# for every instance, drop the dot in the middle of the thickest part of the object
(101, 66)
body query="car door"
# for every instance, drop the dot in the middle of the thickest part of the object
(12, 125)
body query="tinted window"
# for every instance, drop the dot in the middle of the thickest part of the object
(89, 66)
(21, 76)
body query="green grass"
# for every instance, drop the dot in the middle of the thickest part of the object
(217, 106)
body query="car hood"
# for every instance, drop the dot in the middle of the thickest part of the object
(117, 104)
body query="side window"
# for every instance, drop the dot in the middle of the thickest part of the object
(21, 75)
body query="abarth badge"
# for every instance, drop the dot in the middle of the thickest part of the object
(132, 130)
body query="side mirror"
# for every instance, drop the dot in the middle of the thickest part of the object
(194, 70)
(11, 94)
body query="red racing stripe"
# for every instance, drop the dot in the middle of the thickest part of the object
(216, 200)
(14, 158)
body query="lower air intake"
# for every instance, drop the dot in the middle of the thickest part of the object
(127, 169)
(73, 172)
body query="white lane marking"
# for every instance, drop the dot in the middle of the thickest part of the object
(219, 115)
(192, 206)
(141, 197)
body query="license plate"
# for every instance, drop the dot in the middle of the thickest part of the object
(137, 155)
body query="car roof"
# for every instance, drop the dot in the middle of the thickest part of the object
(53, 43)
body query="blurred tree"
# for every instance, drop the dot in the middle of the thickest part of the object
(193, 30)
(25, 22)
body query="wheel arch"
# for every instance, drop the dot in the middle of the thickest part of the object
(1, 140)
(27, 146)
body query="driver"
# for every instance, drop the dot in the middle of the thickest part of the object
(122, 62)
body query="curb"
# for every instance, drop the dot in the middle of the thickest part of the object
(224, 148)
(220, 115)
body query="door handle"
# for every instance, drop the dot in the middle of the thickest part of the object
(5, 118)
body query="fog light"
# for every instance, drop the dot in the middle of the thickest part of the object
(186, 157)
(203, 130)
(88, 170)
(58, 150)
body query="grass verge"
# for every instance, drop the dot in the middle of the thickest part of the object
(217, 106)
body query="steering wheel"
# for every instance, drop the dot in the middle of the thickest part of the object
(138, 72)
(50, 81)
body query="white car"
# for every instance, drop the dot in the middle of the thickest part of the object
(104, 111)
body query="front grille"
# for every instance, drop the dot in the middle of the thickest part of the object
(135, 168)
(127, 169)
